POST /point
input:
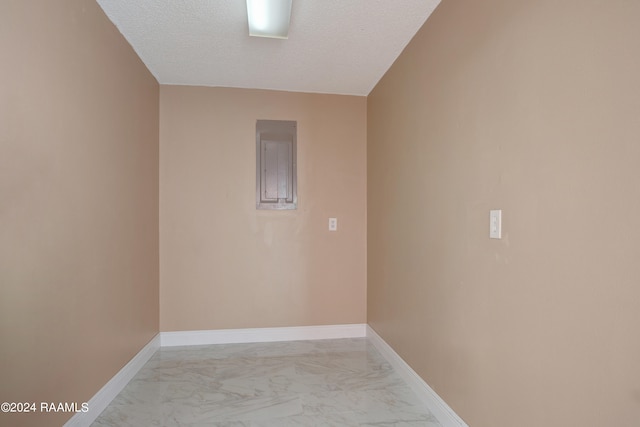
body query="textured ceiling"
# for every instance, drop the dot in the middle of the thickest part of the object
(334, 46)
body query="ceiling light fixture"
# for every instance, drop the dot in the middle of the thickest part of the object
(269, 18)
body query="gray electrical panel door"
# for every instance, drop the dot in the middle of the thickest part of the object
(276, 182)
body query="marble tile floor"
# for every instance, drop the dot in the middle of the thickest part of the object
(343, 382)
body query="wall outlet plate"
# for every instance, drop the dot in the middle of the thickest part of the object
(495, 224)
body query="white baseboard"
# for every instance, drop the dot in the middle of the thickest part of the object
(106, 394)
(438, 407)
(235, 336)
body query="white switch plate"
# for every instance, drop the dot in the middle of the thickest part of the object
(495, 224)
(333, 224)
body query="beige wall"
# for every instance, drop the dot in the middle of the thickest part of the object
(78, 204)
(225, 264)
(532, 107)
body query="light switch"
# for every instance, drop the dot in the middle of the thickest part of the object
(495, 224)
(333, 224)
